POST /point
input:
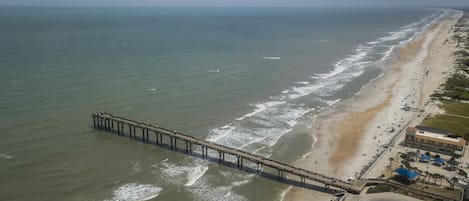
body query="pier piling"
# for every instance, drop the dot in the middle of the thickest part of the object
(105, 121)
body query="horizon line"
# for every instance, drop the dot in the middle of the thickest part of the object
(230, 6)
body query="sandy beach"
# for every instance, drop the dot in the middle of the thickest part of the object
(354, 133)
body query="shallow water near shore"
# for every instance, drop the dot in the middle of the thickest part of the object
(250, 78)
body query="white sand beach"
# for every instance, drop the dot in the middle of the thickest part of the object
(353, 134)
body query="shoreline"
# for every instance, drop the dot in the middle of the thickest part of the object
(354, 133)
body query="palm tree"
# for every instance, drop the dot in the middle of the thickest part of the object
(462, 173)
(432, 176)
(411, 155)
(439, 177)
(426, 175)
(442, 177)
(454, 180)
(452, 163)
(406, 164)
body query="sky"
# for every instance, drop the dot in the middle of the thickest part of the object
(315, 3)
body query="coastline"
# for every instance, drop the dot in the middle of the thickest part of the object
(355, 132)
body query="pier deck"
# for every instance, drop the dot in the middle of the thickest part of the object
(107, 122)
(111, 123)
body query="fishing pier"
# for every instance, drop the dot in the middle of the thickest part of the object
(155, 134)
(163, 137)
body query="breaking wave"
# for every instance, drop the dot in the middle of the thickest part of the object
(271, 58)
(195, 174)
(5, 156)
(135, 192)
(262, 127)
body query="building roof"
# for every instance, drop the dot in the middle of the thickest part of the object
(433, 130)
(442, 138)
(407, 173)
(436, 135)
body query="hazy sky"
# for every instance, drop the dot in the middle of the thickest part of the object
(420, 3)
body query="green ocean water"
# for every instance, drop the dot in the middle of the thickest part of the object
(251, 78)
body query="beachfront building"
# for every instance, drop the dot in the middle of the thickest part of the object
(434, 140)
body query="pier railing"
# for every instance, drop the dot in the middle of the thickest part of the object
(123, 126)
(112, 123)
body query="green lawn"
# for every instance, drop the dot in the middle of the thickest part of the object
(458, 126)
(453, 107)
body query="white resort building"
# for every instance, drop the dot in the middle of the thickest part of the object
(434, 140)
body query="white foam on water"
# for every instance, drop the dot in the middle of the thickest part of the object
(152, 89)
(284, 193)
(322, 40)
(297, 92)
(315, 77)
(220, 132)
(5, 156)
(206, 191)
(332, 102)
(303, 83)
(396, 35)
(135, 192)
(272, 119)
(420, 22)
(171, 170)
(268, 122)
(227, 194)
(268, 115)
(226, 126)
(414, 29)
(187, 174)
(214, 71)
(271, 58)
(387, 53)
(315, 140)
(265, 128)
(261, 107)
(195, 174)
(242, 182)
(216, 193)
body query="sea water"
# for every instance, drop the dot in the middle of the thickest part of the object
(249, 78)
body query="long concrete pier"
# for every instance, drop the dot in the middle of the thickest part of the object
(111, 123)
(155, 134)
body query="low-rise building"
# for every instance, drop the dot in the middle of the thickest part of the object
(434, 140)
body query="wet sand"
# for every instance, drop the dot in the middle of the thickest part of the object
(352, 128)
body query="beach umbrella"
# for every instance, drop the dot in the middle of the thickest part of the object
(424, 158)
(440, 161)
(410, 175)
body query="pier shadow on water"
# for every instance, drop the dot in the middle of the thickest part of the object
(249, 167)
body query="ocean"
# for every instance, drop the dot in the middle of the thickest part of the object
(250, 78)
